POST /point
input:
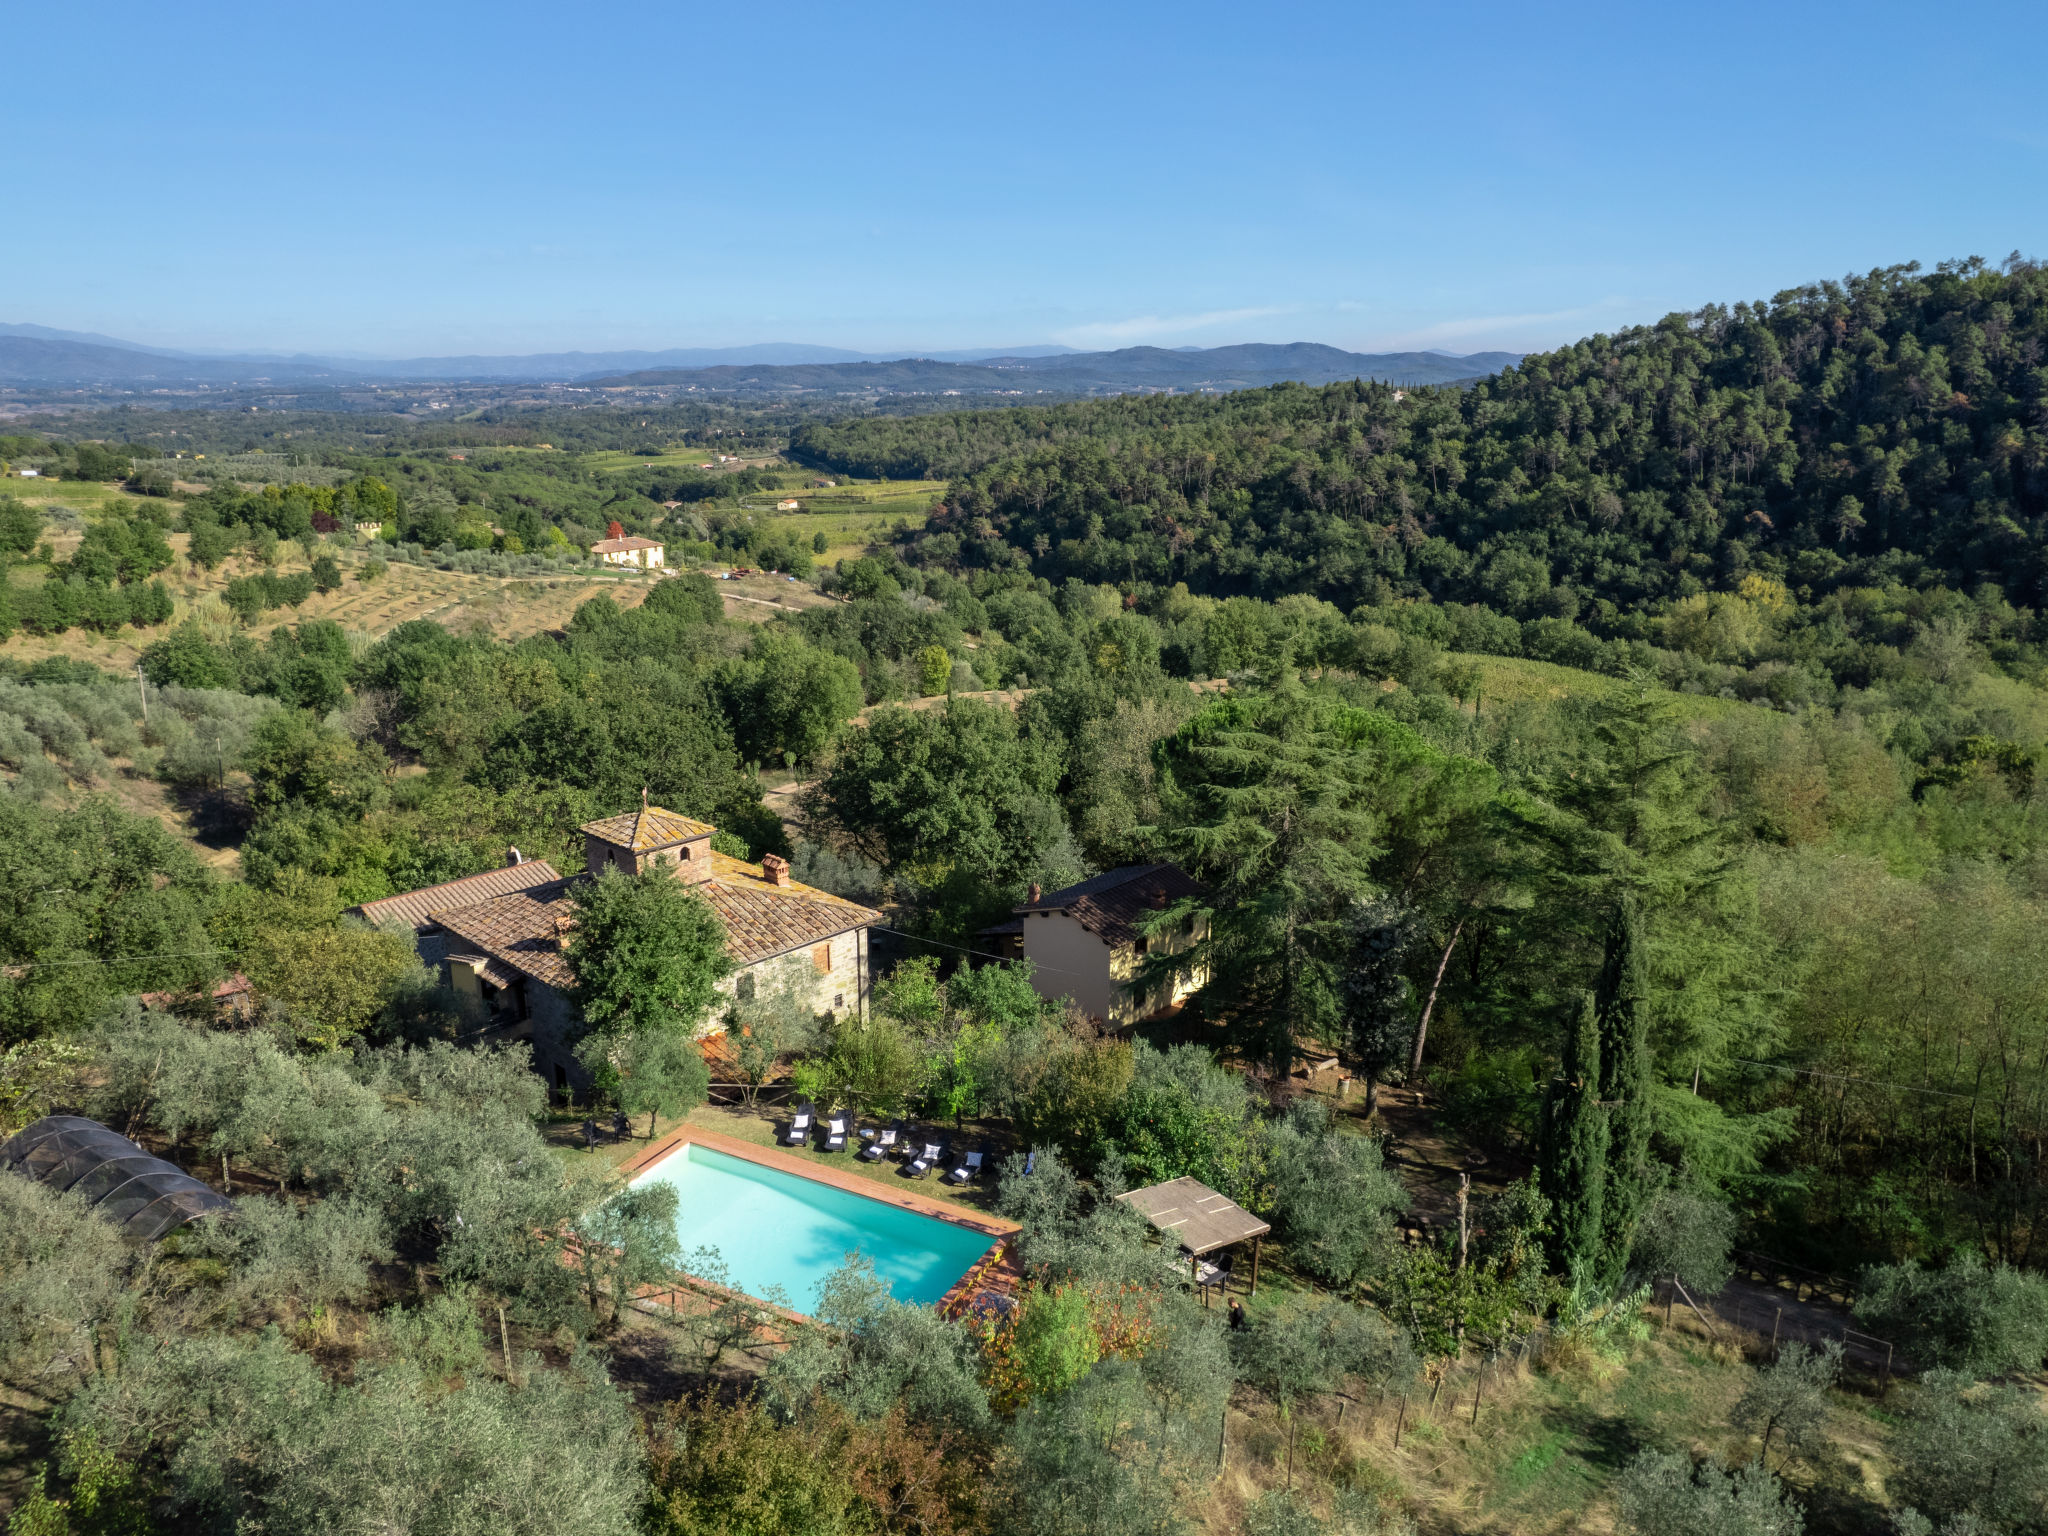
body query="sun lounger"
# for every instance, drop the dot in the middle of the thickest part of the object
(969, 1167)
(835, 1134)
(799, 1126)
(930, 1155)
(883, 1143)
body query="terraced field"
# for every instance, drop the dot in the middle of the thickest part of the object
(507, 608)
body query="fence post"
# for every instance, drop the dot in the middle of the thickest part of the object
(1478, 1387)
(1400, 1419)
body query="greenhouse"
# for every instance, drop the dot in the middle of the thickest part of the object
(144, 1196)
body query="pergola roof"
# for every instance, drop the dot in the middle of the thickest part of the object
(1194, 1215)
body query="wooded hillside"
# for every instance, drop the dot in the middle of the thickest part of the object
(1892, 427)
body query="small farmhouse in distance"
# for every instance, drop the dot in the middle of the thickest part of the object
(1086, 943)
(501, 937)
(622, 549)
(789, 504)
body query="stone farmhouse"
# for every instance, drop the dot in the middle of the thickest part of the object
(500, 936)
(1085, 942)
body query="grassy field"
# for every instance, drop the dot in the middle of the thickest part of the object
(75, 496)
(850, 515)
(1518, 679)
(609, 460)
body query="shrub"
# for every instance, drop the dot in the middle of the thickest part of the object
(1333, 1199)
(1973, 1451)
(1970, 1316)
(1188, 1116)
(1663, 1494)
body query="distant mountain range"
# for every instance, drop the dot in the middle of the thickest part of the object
(1083, 373)
(40, 355)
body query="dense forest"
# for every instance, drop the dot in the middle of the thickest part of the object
(1844, 434)
(1638, 753)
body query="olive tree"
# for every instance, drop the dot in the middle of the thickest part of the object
(1663, 1494)
(1789, 1399)
(1333, 1197)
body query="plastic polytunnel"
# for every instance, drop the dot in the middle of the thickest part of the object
(144, 1196)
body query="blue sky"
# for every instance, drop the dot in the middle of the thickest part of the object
(438, 178)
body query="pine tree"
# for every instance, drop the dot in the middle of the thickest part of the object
(1624, 1087)
(1573, 1167)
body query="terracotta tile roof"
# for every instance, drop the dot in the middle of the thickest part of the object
(517, 930)
(412, 907)
(631, 542)
(648, 829)
(761, 920)
(1111, 905)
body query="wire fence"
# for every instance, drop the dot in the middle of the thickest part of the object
(1761, 1327)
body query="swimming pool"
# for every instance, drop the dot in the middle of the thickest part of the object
(775, 1228)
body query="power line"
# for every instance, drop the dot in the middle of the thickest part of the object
(162, 954)
(1839, 1077)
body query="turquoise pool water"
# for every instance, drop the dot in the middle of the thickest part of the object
(781, 1229)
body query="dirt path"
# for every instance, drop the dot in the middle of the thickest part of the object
(1430, 1158)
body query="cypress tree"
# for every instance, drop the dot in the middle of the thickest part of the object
(1624, 1087)
(1574, 1162)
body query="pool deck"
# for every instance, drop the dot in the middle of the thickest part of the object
(991, 1280)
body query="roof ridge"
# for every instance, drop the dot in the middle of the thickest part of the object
(482, 874)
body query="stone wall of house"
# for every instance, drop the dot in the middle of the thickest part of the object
(552, 1023)
(829, 978)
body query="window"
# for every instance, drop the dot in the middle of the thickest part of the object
(1187, 925)
(1143, 945)
(821, 958)
(838, 999)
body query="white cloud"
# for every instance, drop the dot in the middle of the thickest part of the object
(1157, 327)
(1547, 329)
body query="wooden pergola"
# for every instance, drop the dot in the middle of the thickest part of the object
(1199, 1219)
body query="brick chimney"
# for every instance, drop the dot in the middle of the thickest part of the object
(775, 868)
(1031, 896)
(514, 858)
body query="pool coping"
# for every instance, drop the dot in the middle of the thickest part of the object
(999, 1231)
